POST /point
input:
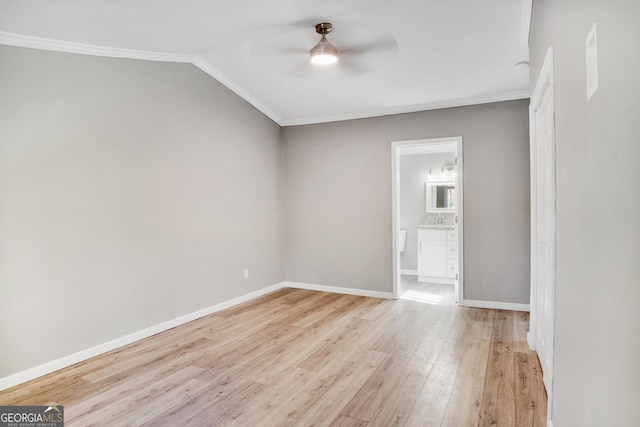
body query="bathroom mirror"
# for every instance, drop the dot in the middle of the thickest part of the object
(441, 196)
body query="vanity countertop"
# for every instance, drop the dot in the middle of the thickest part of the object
(436, 227)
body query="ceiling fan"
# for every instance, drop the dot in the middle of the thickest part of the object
(324, 53)
(354, 50)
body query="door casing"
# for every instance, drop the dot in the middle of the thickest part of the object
(543, 223)
(434, 145)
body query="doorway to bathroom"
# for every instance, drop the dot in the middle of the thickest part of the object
(427, 219)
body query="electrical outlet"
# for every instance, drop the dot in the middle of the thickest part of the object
(246, 273)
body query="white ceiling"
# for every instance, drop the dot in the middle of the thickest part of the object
(417, 54)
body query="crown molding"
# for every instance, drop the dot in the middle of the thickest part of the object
(463, 102)
(30, 42)
(217, 75)
(19, 40)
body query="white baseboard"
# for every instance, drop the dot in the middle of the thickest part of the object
(338, 290)
(63, 362)
(549, 423)
(530, 341)
(409, 272)
(495, 305)
(436, 280)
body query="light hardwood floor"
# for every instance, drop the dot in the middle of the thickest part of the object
(307, 358)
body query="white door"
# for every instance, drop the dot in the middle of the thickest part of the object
(544, 215)
(546, 233)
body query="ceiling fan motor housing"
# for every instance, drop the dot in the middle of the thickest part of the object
(324, 28)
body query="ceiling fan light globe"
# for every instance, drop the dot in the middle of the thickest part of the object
(324, 53)
(324, 59)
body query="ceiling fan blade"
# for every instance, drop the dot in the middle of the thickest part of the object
(359, 50)
(354, 68)
(262, 52)
(277, 29)
(381, 45)
(300, 70)
(369, 56)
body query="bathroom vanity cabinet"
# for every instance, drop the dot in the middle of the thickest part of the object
(437, 255)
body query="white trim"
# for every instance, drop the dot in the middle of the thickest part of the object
(460, 217)
(526, 22)
(437, 280)
(434, 145)
(409, 272)
(496, 305)
(63, 362)
(338, 290)
(19, 40)
(217, 75)
(530, 338)
(544, 79)
(533, 296)
(395, 215)
(462, 102)
(425, 146)
(549, 423)
(545, 82)
(420, 148)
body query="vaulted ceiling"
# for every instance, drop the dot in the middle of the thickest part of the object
(396, 55)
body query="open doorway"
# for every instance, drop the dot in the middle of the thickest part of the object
(427, 197)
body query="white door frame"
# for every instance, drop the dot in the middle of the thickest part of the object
(544, 87)
(435, 145)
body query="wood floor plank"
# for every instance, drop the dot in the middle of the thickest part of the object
(275, 400)
(475, 358)
(298, 357)
(357, 331)
(348, 383)
(463, 407)
(125, 397)
(343, 421)
(399, 402)
(381, 384)
(528, 386)
(324, 307)
(498, 402)
(432, 400)
(147, 359)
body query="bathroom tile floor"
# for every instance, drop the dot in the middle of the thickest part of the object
(433, 293)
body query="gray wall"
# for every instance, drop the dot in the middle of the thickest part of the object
(337, 187)
(131, 193)
(414, 169)
(597, 341)
(134, 192)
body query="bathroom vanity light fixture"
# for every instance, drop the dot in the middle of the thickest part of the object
(446, 167)
(324, 52)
